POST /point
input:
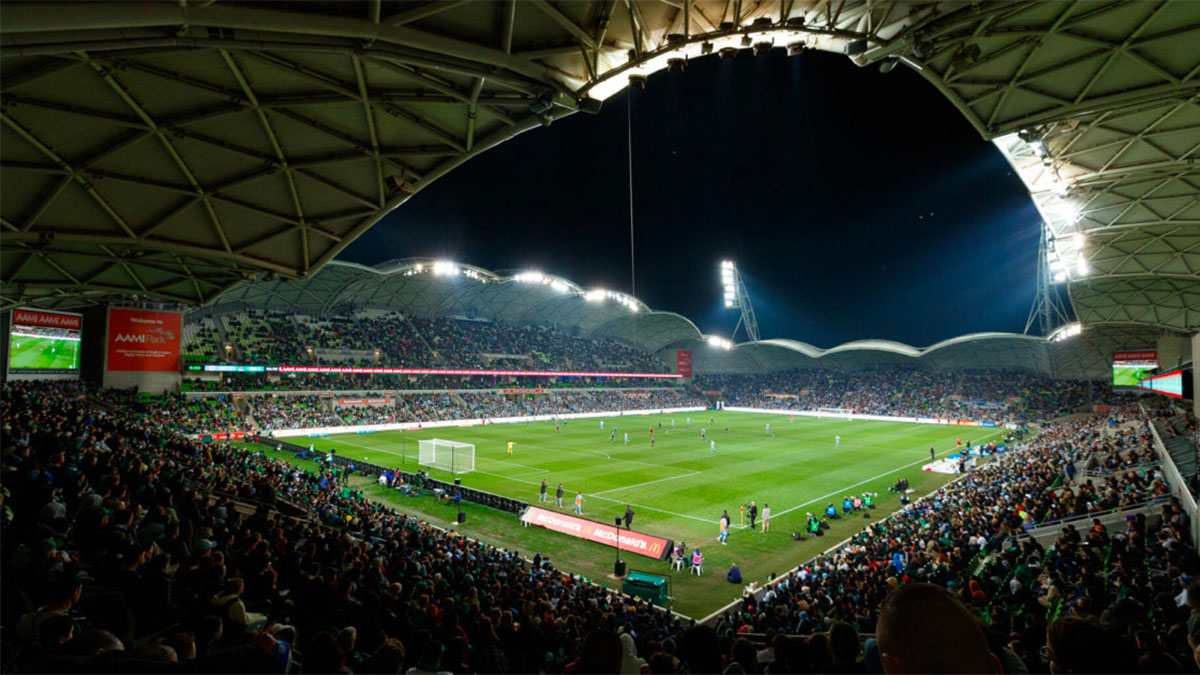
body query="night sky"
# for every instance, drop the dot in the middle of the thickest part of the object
(857, 204)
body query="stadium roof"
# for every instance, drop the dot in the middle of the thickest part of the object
(1086, 355)
(431, 288)
(175, 149)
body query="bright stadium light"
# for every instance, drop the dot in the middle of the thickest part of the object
(531, 277)
(444, 268)
(595, 295)
(560, 285)
(1065, 331)
(718, 342)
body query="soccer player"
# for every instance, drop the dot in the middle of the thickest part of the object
(579, 500)
(768, 427)
(703, 433)
(652, 441)
(558, 495)
(689, 420)
(542, 493)
(612, 438)
(672, 422)
(601, 425)
(712, 447)
(723, 530)
(837, 440)
(626, 438)
(510, 447)
(766, 517)
(628, 517)
(932, 454)
(753, 514)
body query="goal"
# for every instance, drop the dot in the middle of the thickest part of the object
(448, 456)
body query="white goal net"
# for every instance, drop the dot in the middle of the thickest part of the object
(447, 455)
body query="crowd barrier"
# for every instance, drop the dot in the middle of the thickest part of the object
(1179, 485)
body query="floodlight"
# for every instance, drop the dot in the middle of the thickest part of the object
(796, 48)
(746, 41)
(1060, 276)
(443, 268)
(594, 295)
(676, 65)
(888, 66)
(1065, 331)
(706, 48)
(762, 48)
(560, 286)
(727, 264)
(728, 52)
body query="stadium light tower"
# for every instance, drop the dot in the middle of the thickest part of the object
(1048, 310)
(737, 297)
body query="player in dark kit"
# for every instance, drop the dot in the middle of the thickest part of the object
(628, 517)
(753, 514)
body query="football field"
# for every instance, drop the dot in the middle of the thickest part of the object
(42, 352)
(679, 488)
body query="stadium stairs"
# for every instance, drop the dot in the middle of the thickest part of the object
(1183, 453)
(223, 337)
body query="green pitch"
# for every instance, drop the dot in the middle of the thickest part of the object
(1129, 376)
(42, 352)
(678, 488)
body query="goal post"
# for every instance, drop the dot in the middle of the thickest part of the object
(450, 456)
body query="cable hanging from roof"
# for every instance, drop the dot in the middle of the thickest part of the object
(629, 151)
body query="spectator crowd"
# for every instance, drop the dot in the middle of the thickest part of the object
(130, 547)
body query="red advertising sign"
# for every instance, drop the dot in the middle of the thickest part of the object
(633, 542)
(683, 362)
(236, 435)
(1140, 355)
(143, 340)
(30, 317)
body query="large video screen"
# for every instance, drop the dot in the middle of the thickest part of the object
(1176, 384)
(42, 342)
(1130, 368)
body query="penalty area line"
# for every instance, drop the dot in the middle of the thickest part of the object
(842, 491)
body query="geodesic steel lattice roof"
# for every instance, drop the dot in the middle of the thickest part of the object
(175, 149)
(430, 288)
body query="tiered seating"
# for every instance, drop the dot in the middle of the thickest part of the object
(201, 342)
(901, 392)
(266, 338)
